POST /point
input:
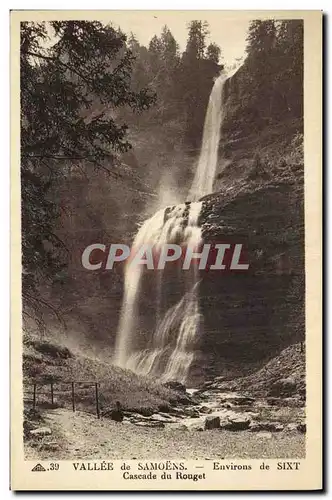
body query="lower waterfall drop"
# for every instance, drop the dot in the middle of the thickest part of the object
(177, 224)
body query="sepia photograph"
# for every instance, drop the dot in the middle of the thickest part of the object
(163, 241)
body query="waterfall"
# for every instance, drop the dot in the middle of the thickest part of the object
(184, 318)
(149, 231)
(207, 163)
(169, 352)
(178, 224)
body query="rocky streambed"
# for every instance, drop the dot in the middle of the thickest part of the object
(211, 408)
(210, 422)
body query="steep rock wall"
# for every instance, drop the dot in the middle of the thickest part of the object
(251, 315)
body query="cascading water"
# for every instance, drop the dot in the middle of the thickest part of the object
(169, 352)
(176, 224)
(207, 163)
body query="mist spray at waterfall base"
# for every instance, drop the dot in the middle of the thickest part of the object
(170, 348)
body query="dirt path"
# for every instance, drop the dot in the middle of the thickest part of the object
(81, 436)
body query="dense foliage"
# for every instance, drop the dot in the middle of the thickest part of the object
(66, 67)
(182, 81)
(275, 65)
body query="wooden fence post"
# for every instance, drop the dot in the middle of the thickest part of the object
(34, 396)
(52, 394)
(97, 401)
(73, 394)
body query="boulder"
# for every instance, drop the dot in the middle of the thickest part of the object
(166, 415)
(177, 412)
(191, 412)
(205, 409)
(266, 426)
(136, 416)
(204, 395)
(156, 417)
(284, 387)
(237, 424)
(41, 431)
(142, 412)
(185, 399)
(116, 415)
(176, 386)
(242, 401)
(164, 408)
(212, 423)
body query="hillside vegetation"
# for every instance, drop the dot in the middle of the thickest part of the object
(282, 376)
(45, 362)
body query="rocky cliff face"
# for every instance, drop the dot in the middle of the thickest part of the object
(252, 314)
(259, 202)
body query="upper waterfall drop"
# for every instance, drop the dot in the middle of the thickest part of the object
(207, 162)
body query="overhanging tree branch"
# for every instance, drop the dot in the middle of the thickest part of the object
(57, 60)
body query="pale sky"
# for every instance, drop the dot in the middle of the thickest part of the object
(228, 30)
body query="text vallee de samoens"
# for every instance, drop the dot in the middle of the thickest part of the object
(177, 470)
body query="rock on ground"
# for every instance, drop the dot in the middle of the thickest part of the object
(237, 424)
(83, 437)
(41, 431)
(212, 423)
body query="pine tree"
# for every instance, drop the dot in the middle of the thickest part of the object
(261, 36)
(275, 61)
(169, 49)
(213, 53)
(155, 51)
(289, 50)
(198, 31)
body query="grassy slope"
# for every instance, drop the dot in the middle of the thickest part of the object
(45, 362)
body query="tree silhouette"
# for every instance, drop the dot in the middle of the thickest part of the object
(73, 74)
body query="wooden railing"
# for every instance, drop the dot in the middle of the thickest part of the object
(50, 391)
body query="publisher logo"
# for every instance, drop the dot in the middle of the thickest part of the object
(38, 468)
